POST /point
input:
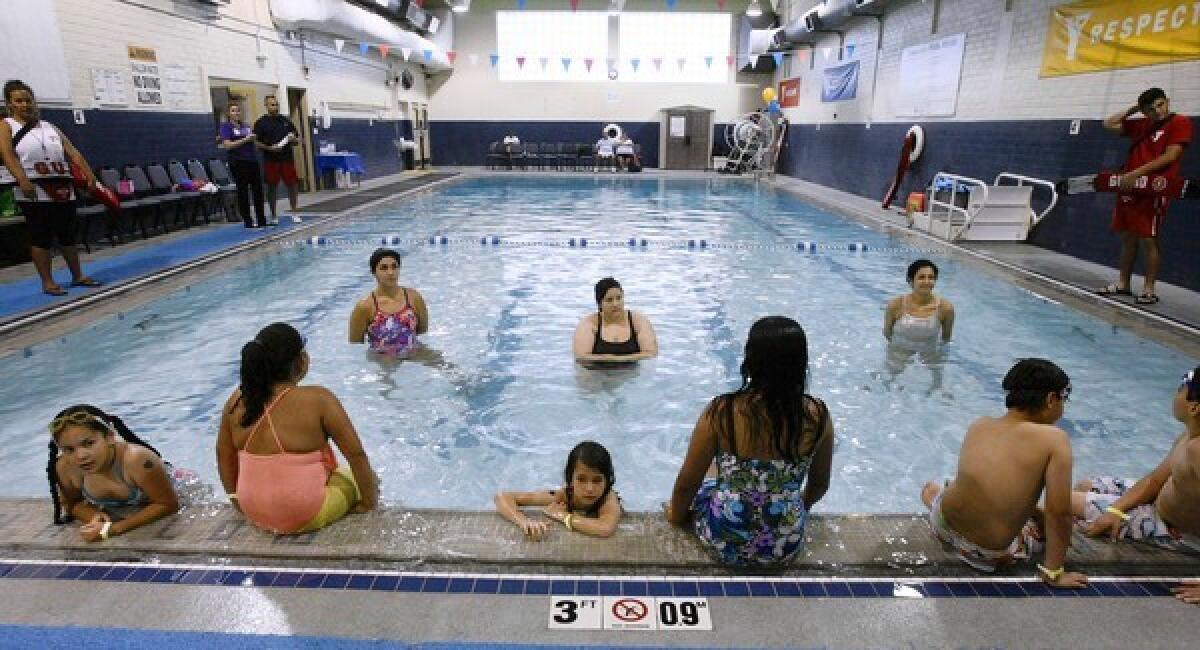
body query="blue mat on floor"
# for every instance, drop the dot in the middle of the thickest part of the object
(94, 638)
(25, 295)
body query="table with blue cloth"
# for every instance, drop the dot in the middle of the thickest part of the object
(347, 161)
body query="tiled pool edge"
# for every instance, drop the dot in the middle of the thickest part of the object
(891, 546)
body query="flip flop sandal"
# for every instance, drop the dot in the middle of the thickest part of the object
(56, 291)
(1113, 290)
(87, 282)
(1147, 299)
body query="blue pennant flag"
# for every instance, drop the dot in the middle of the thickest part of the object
(708, 60)
(635, 63)
(362, 48)
(520, 4)
(566, 61)
(495, 59)
(671, 5)
(850, 50)
(778, 56)
(428, 55)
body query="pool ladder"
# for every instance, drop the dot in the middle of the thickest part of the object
(1002, 211)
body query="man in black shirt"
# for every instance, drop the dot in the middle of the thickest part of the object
(275, 136)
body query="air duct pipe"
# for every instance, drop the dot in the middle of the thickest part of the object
(354, 23)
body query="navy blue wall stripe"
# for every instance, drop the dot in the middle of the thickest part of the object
(115, 138)
(862, 161)
(464, 142)
(564, 586)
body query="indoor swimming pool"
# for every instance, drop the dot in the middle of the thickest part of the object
(703, 259)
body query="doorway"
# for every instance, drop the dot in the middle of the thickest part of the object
(297, 103)
(421, 134)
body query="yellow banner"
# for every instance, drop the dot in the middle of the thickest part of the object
(1094, 35)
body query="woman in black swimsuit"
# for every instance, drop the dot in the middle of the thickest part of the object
(613, 334)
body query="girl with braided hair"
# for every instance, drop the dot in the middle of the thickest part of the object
(103, 475)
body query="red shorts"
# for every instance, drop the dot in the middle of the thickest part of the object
(1140, 215)
(275, 170)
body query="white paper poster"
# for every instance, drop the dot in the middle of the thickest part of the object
(181, 86)
(678, 126)
(929, 77)
(109, 87)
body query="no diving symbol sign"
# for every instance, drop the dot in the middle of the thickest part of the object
(630, 610)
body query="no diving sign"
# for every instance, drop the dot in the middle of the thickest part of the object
(630, 613)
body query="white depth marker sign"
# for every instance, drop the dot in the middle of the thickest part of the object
(629, 613)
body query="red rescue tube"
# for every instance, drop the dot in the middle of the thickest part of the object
(914, 144)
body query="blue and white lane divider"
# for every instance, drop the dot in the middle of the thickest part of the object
(633, 243)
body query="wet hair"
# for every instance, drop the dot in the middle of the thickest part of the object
(916, 267)
(381, 253)
(602, 288)
(270, 358)
(1193, 386)
(595, 456)
(1029, 381)
(1146, 98)
(101, 423)
(775, 375)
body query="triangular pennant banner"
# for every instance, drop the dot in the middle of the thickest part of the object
(850, 50)
(544, 60)
(587, 63)
(566, 61)
(708, 61)
(778, 56)
(474, 58)
(428, 55)
(721, 5)
(681, 61)
(406, 52)
(520, 4)
(384, 49)
(520, 61)
(574, 5)
(419, 3)
(635, 63)
(338, 44)
(496, 59)
(451, 55)
(657, 63)
(671, 5)
(362, 48)
(826, 51)
(730, 60)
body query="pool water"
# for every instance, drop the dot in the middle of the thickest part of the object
(508, 402)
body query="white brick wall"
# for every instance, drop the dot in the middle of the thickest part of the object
(96, 32)
(1001, 62)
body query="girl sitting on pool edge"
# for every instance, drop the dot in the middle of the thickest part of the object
(108, 478)
(613, 334)
(586, 503)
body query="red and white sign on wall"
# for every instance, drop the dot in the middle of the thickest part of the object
(789, 93)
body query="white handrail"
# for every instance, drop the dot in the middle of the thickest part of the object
(968, 212)
(1021, 180)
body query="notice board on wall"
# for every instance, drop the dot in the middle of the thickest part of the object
(31, 49)
(929, 76)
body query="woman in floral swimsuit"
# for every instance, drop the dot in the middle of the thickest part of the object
(389, 319)
(759, 457)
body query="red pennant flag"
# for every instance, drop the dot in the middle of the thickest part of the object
(574, 5)
(730, 60)
(384, 49)
(451, 55)
(588, 64)
(721, 5)
(419, 3)
(520, 62)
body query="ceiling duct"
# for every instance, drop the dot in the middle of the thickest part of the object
(824, 17)
(754, 40)
(354, 23)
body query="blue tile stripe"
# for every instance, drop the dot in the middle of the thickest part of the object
(569, 586)
(633, 243)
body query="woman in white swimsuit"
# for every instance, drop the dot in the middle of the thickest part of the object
(918, 322)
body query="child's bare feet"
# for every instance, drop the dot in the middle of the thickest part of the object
(929, 493)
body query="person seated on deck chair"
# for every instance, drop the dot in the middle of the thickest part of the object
(1004, 465)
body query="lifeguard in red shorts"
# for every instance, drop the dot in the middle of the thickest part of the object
(1158, 142)
(275, 136)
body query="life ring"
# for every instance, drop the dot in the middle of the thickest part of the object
(918, 135)
(612, 131)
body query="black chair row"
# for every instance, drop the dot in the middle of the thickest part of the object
(556, 155)
(155, 199)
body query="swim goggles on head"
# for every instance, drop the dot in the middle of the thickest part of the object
(1193, 385)
(75, 417)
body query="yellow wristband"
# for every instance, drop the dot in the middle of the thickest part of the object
(1114, 511)
(567, 521)
(105, 529)
(1051, 575)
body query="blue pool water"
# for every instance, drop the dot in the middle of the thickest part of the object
(510, 402)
